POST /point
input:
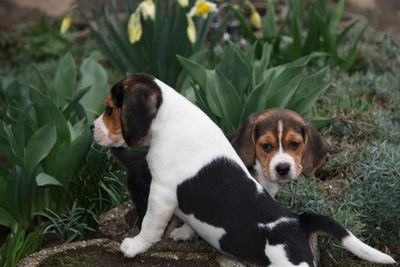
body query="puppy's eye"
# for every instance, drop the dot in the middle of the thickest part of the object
(108, 111)
(267, 147)
(293, 145)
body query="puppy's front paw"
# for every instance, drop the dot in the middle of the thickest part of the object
(183, 233)
(132, 246)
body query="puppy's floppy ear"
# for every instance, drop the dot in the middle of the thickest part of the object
(315, 151)
(141, 98)
(243, 142)
(117, 94)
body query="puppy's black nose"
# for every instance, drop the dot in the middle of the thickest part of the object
(283, 168)
(92, 128)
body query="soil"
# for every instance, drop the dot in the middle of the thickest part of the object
(101, 257)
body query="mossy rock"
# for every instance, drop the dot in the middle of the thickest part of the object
(105, 252)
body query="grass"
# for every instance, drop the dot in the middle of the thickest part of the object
(358, 184)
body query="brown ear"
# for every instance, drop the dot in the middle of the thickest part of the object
(140, 98)
(315, 152)
(242, 141)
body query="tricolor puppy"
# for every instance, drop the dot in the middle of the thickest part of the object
(277, 145)
(198, 176)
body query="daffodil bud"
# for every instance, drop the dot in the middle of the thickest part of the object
(183, 3)
(255, 19)
(191, 29)
(148, 9)
(134, 28)
(65, 24)
(203, 8)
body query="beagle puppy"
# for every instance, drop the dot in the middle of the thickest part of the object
(277, 145)
(198, 176)
(286, 152)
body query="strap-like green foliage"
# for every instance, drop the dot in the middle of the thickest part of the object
(307, 28)
(241, 84)
(162, 39)
(19, 244)
(45, 138)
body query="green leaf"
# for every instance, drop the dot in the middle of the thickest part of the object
(65, 80)
(296, 35)
(257, 99)
(353, 51)
(343, 34)
(269, 21)
(310, 88)
(283, 87)
(196, 71)
(17, 97)
(320, 122)
(230, 101)
(40, 145)
(69, 159)
(43, 179)
(21, 124)
(336, 16)
(93, 75)
(47, 112)
(328, 39)
(74, 106)
(211, 94)
(6, 218)
(234, 67)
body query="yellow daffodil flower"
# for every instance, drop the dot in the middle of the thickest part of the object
(147, 9)
(255, 19)
(191, 29)
(134, 27)
(203, 8)
(65, 24)
(183, 3)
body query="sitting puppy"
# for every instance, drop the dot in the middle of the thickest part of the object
(281, 158)
(198, 176)
(276, 145)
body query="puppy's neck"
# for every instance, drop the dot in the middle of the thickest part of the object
(271, 187)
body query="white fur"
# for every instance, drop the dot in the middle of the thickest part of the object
(271, 187)
(278, 257)
(183, 233)
(208, 232)
(272, 225)
(362, 250)
(101, 135)
(203, 140)
(280, 158)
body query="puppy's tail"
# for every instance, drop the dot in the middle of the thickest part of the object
(313, 222)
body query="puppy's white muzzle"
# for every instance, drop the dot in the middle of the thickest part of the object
(101, 135)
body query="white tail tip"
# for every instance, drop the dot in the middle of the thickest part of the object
(362, 250)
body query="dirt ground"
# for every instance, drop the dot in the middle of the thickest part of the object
(380, 14)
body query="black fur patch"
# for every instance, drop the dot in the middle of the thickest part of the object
(141, 98)
(222, 195)
(138, 178)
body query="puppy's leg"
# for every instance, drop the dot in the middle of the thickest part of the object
(182, 233)
(160, 208)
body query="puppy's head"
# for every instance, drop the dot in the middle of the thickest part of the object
(284, 143)
(129, 110)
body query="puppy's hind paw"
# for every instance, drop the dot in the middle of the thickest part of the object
(132, 247)
(183, 233)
